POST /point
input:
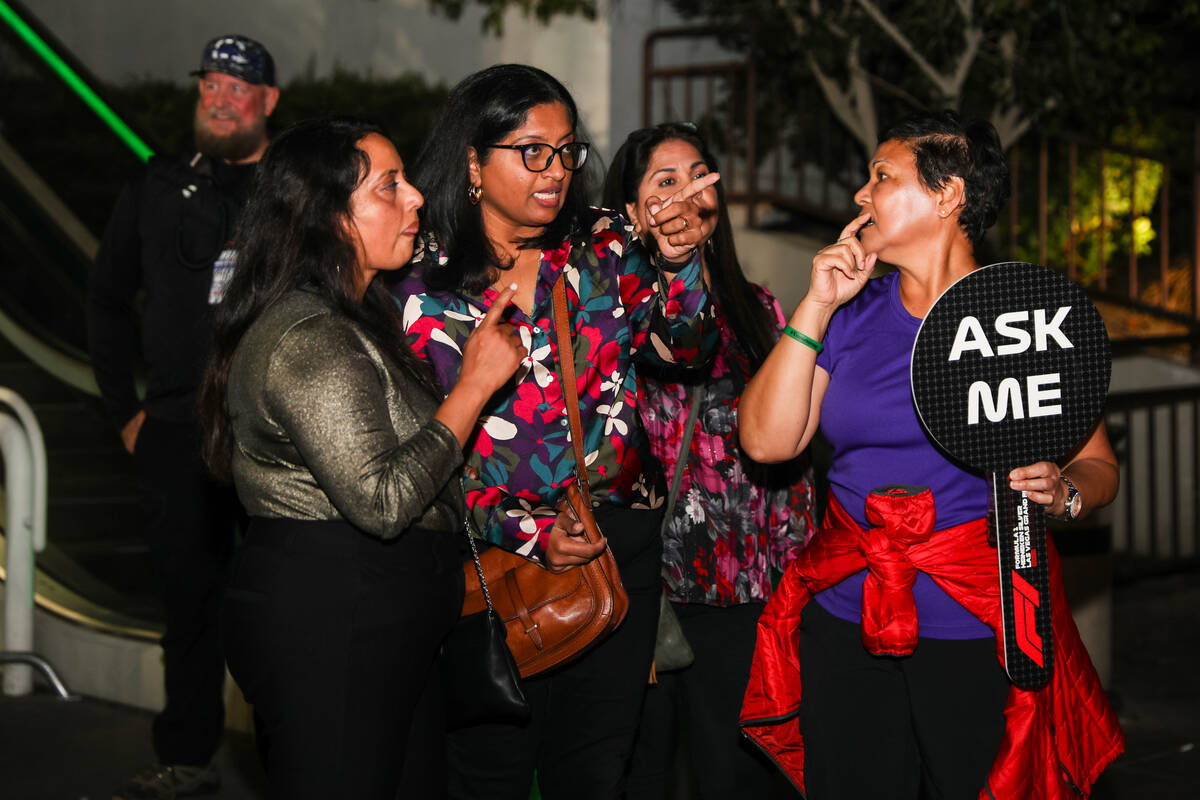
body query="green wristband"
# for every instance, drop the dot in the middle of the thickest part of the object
(804, 340)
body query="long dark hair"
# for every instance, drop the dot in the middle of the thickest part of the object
(752, 324)
(292, 234)
(946, 143)
(481, 111)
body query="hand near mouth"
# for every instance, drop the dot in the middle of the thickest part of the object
(841, 269)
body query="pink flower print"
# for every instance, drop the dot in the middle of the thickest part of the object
(657, 424)
(607, 359)
(673, 307)
(485, 497)
(558, 256)
(726, 567)
(595, 341)
(527, 401)
(634, 291)
(425, 327)
(607, 240)
(483, 443)
(709, 447)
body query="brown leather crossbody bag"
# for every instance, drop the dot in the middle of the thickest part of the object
(553, 618)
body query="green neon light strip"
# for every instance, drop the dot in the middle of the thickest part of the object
(93, 101)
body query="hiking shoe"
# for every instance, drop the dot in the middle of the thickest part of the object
(166, 782)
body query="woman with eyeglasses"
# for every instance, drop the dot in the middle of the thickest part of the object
(506, 202)
(734, 523)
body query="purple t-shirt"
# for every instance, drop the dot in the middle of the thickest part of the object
(869, 419)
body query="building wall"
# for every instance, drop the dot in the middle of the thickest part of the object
(121, 40)
(600, 61)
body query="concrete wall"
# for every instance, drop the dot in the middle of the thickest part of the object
(600, 61)
(128, 39)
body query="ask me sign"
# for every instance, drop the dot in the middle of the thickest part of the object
(1011, 366)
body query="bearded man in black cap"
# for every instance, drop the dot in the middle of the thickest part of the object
(168, 242)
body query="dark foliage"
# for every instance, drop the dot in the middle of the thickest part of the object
(80, 158)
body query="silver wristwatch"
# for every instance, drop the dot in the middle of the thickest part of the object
(1074, 503)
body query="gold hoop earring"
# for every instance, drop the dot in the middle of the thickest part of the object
(474, 194)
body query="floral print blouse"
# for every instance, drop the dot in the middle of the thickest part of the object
(621, 312)
(736, 523)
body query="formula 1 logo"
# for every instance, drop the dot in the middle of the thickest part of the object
(1026, 602)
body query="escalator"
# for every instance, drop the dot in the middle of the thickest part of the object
(55, 185)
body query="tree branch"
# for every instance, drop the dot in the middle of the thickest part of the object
(854, 107)
(1010, 124)
(973, 38)
(937, 78)
(950, 85)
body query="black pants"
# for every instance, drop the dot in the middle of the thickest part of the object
(926, 725)
(701, 704)
(585, 715)
(190, 528)
(331, 634)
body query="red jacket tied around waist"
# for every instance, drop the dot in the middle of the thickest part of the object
(1057, 739)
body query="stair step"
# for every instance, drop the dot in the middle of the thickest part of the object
(113, 579)
(94, 519)
(32, 383)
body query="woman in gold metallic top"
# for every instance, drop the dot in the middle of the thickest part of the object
(342, 452)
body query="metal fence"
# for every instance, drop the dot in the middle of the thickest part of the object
(1121, 221)
(814, 171)
(1157, 512)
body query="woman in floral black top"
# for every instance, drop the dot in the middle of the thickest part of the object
(506, 203)
(735, 523)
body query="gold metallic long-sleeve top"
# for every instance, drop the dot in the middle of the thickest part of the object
(327, 427)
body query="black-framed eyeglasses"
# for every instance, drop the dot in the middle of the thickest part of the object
(538, 156)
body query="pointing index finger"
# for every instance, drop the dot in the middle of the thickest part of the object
(694, 188)
(499, 305)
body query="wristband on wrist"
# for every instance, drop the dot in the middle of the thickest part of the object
(807, 341)
(660, 261)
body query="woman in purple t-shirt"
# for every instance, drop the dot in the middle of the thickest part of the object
(929, 723)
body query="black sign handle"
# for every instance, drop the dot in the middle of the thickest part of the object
(1019, 529)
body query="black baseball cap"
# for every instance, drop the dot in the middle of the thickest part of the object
(239, 56)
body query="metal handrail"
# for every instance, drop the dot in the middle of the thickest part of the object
(24, 454)
(43, 666)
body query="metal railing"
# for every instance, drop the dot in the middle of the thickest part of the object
(813, 174)
(1123, 222)
(24, 454)
(1156, 514)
